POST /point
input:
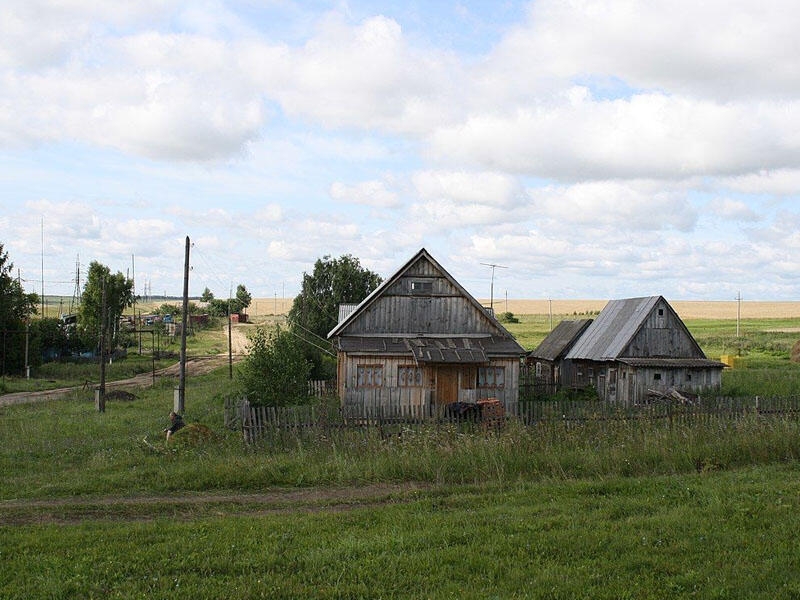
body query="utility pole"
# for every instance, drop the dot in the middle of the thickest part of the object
(180, 401)
(27, 332)
(738, 311)
(491, 288)
(43, 315)
(100, 399)
(230, 337)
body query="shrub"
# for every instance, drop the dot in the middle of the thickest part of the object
(275, 373)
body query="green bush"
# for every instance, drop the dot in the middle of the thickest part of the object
(276, 372)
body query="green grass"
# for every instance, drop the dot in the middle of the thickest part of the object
(622, 510)
(723, 535)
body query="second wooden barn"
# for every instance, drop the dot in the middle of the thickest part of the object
(420, 341)
(637, 347)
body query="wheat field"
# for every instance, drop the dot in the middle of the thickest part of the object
(687, 309)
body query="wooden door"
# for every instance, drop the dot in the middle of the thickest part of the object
(446, 385)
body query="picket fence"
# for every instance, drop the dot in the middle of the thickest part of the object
(324, 419)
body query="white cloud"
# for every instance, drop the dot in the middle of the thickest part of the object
(780, 182)
(482, 188)
(608, 205)
(732, 210)
(646, 136)
(719, 49)
(370, 193)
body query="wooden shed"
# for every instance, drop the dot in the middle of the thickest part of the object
(636, 345)
(547, 357)
(420, 341)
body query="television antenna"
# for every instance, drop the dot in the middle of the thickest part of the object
(491, 287)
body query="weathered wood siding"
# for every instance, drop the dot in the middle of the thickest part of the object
(442, 309)
(662, 335)
(468, 390)
(634, 383)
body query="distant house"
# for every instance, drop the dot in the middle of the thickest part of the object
(636, 345)
(547, 357)
(421, 341)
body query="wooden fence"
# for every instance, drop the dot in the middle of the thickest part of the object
(320, 419)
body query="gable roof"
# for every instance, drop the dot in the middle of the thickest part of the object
(499, 332)
(616, 325)
(560, 340)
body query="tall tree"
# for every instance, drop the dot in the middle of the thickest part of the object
(16, 308)
(315, 309)
(334, 281)
(243, 297)
(119, 296)
(207, 296)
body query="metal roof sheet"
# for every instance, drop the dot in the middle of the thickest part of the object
(560, 340)
(613, 328)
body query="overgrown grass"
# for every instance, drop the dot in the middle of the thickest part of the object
(723, 535)
(66, 448)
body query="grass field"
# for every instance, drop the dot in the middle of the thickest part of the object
(89, 510)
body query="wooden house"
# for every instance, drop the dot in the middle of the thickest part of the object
(420, 341)
(546, 359)
(637, 345)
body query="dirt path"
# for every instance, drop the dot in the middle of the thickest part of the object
(198, 365)
(200, 505)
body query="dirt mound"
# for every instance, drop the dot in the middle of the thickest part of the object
(795, 356)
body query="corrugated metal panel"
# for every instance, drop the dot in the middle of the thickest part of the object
(559, 341)
(613, 328)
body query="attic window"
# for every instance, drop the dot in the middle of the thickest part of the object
(657, 377)
(660, 312)
(422, 287)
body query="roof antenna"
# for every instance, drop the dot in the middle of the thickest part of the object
(491, 288)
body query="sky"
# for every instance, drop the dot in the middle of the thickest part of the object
(590, 149)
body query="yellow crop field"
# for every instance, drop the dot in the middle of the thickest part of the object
(687, 309)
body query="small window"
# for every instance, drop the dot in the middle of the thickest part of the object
(688, 376)
(422, 287)
(491, 377)
(657, 377)
(591, 372)
(538, 369)
(369, 376)
(660, 312)
(409, 376)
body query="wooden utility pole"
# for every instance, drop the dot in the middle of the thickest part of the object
(230, 336)
(738, 311)
(180, 401)
(100, 400)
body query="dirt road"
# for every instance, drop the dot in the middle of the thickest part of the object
(197, 365)
(193, 505)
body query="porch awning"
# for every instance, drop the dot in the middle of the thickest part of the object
(446, 350)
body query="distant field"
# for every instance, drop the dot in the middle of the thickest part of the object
(687, 309)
